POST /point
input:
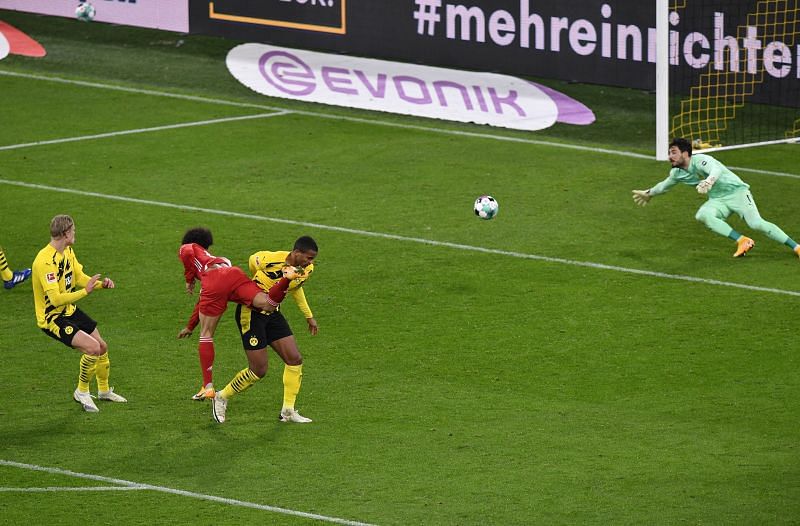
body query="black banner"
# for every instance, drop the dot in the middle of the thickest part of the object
(610, 42)
(562, 40)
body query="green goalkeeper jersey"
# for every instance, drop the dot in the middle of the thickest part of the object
(700, 167)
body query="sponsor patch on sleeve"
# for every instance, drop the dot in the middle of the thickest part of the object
(51, 277)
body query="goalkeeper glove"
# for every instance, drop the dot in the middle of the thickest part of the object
(641, 197)
(705, 185)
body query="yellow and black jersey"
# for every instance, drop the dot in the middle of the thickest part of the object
(265, 267)
(56, 281)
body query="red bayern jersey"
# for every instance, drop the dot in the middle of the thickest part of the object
(196, 261)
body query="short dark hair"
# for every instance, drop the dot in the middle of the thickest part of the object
(201, 236)
(684, 145)
(305, 244)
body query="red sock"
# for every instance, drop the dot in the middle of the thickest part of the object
(278, 291)
(206, 352)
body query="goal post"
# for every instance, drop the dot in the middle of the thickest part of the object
(727, 73)
(662, 79)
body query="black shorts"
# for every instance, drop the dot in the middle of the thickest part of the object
(64, 328)
(258, 329)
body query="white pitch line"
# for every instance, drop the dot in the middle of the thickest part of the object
(458, 246)
(144, 130)
(58, 489)
(191, 494)
(764, 172)
(490, 136)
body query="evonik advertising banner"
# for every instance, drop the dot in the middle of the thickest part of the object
(408, 89)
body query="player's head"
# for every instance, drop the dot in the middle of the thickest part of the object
(62, 227)
(304, 251)
(199, 235)
(683, 145)
(680, 150)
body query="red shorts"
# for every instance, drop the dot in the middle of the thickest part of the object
(221, 285)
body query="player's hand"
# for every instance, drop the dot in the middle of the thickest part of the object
(641, 197)
(108, 284)
(190, 288)
(92, 283)
(312, 326)
(185, 333)
(704, 186)
(290, 272)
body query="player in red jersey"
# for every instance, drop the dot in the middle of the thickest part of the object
(220, 283)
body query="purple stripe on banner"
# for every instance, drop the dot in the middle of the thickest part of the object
(570, 111)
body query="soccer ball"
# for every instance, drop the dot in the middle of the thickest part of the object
(85, 12)
(486, 207)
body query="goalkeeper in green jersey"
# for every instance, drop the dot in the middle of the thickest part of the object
(726, 192)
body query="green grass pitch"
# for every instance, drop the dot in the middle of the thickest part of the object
(577, 360)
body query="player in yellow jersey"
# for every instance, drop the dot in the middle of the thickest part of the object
(259, 330)
(11, 278)
(58, 282)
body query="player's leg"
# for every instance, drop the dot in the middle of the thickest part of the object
(87, 369)
(206, 353)
(746, 207)
(286, 348)
(713, 214)
(95, 362)
(252, 329)
(216, 287)
(244, 379)
(269, 302)
(11, 278)
(103, 371)
(5, 271)
(72, 332)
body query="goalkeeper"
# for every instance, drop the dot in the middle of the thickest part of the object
(726, 192)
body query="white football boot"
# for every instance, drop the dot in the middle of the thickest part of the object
(110, 396)
(85, 399)
(289, 414)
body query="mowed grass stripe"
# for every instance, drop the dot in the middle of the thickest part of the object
(396, 237)
(378, 122)
(172, 491)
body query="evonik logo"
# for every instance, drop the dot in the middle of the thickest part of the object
(409, 89)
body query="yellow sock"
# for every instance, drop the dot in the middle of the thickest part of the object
(241, 382)
(292, 377)
(5, 272)
(102, 372)
(87, 371)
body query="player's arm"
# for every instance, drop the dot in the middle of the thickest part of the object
(46, 273)
(642, 197)
(58, 298)
(194, 319)
(300, 298)
(82, 279)
(195, 259)
(712, 169)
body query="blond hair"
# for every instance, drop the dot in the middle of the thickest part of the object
(60, 225)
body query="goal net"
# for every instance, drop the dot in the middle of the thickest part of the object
(733, 72)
